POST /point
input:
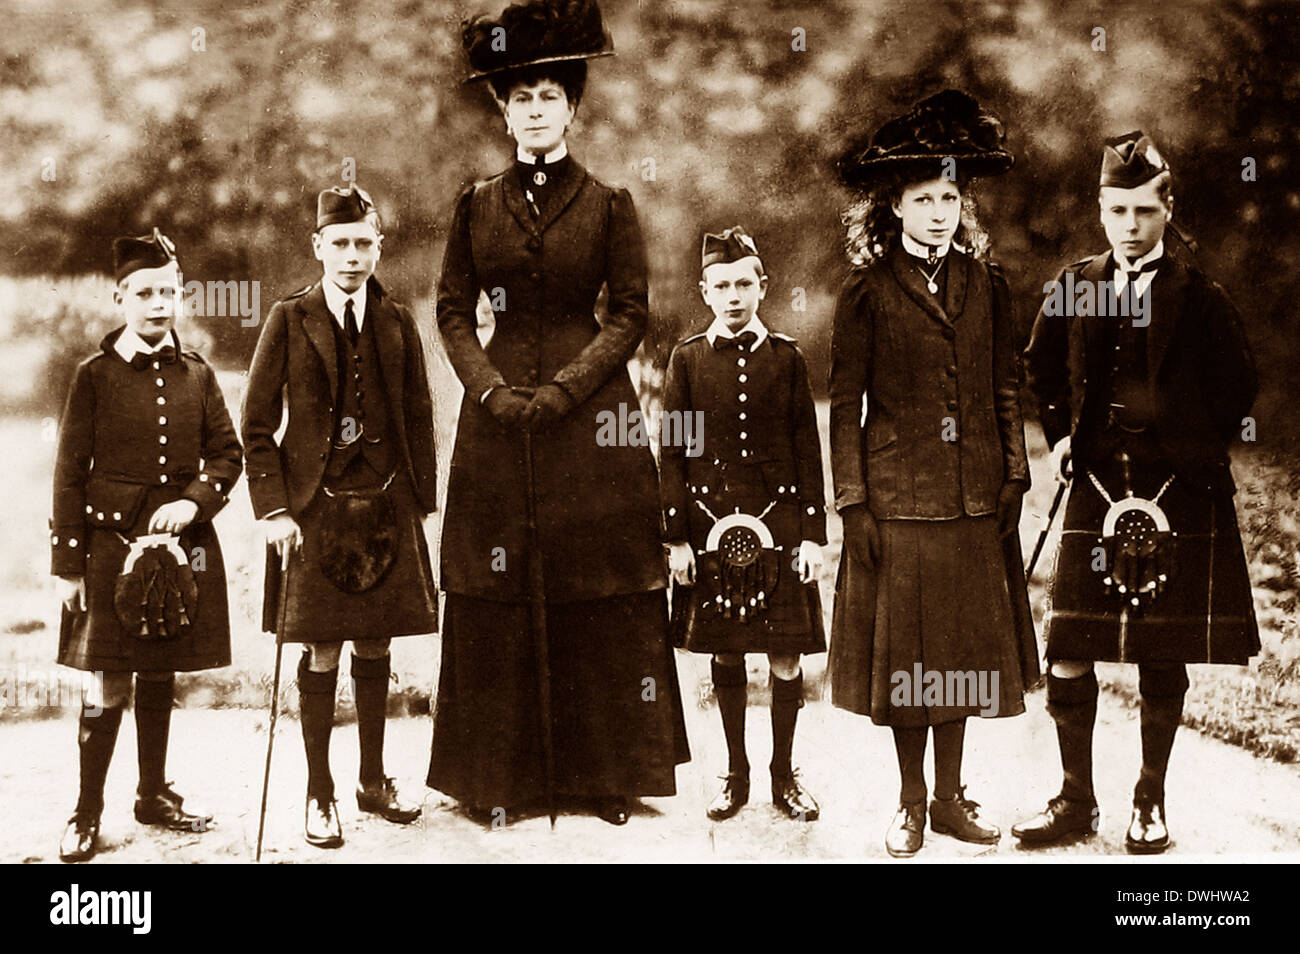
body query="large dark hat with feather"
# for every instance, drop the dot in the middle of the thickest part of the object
(534, 32)
(947, 125)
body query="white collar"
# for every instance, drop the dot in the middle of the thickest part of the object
(555, 155)
(336, 300)
(1124, 265)
(719, 329)
(129, 344)
(921, 250)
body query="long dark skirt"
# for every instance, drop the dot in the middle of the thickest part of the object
(403, 603)
(96, 640)
(1205, 615)
(617, 726)
(938, 602)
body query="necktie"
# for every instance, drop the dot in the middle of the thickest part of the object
(745, 341)
(350, 323)
(142, 359)
(1131, 275)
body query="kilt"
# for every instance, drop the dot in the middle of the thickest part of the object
(96, 640)
(947, 596)
(699, 628)
(403, 603)
(608, 736)
(1206, 613)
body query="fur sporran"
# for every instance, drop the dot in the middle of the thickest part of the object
(358, 538)
(156, 595)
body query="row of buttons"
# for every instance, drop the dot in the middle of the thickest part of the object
(162, 420)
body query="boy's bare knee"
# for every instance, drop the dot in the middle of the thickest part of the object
(370, 648)
(324, 656)
(1070, 668)
(782, 665)
(113, 691)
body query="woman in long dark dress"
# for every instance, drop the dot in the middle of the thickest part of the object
(540, 241)
(931, 621)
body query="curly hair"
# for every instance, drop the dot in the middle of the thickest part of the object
(871, 226)
(570, 75)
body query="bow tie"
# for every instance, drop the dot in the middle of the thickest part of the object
(141, 360)
(1150, 266)
(745, 340)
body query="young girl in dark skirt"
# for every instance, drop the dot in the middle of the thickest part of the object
(931, 622)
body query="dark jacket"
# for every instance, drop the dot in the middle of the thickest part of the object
(297, 361)
(126, 432)
(1199, 364)
(927, 373)
(771, 455)
(132, 440)
(597, 506)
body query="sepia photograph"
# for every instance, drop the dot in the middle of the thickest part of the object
(634, 432)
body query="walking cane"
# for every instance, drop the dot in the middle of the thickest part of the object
(1047, 528)
(281, 599)
(537, 617)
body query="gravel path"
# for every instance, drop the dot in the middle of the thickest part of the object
(1222, 801)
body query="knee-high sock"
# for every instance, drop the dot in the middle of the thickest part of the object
(730, 687)
(948, 740)
(1072, 704)
(909, 744)
(1163, 688)
(787, 700)
(370, 687)
(316, 710)
(96, 737)
(153, 716)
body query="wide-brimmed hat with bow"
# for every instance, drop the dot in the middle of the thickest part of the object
(533, 33)
(947, 125)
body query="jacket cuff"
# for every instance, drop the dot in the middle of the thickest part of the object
(812, 522)
(676, 525)
(68, 551)
(849, 497)
(210, 493)
(1055, 424)
(266, 493)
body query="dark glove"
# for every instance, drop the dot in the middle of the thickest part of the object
(506, 406)
(1008, 507)
(861, 536)
(549, 404)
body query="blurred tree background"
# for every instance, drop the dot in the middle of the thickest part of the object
(219, 122)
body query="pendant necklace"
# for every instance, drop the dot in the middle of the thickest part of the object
(931, 280)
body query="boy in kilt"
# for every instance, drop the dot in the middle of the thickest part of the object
(744, 508)
(146, 458)
(342, 494)
(1142, 375)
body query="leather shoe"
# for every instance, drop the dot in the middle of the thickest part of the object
(732, 798)
(1147, 833)
(907, 831)
(80, 839)
(1062, 818)
(163, 809)
(959, 816)
(321, 827)
(381, 798)
(789, 795)
(613, 809)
